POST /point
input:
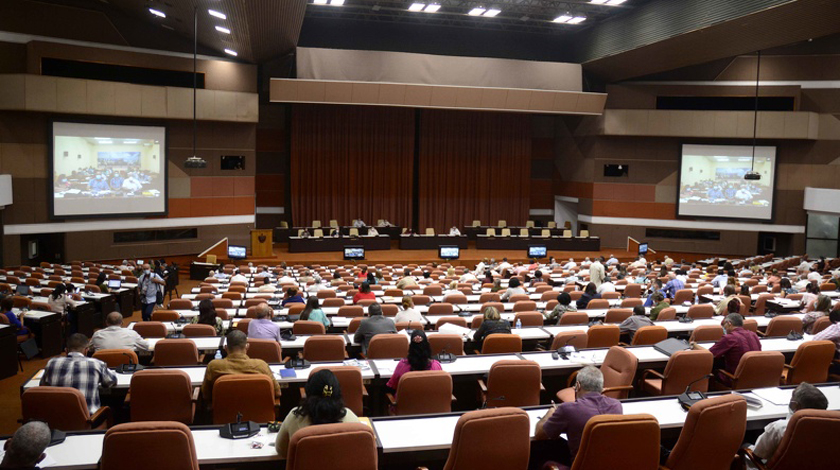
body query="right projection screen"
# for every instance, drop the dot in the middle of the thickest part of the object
(712, 182)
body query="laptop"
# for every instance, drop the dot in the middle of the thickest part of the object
(671, 345)
(22, 289)
(114, 283)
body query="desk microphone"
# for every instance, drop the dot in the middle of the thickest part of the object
(129, 368)
(445, 357)
(499, 398)
(688, 398)
(563, 352)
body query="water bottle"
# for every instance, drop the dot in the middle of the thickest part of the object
(518, 323)
(218, 354)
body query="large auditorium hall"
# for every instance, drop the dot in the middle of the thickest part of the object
(419, 234)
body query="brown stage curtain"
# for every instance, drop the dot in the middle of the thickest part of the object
(351, 161)
(473, 166)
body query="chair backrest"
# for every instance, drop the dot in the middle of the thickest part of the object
(475, 429)
(460, 321)
(759, 369)
(513, 383)
(683, 295)
(761, 302)
(266, 349)
(809, 433)
(349, 446)
(223, 303)
(441, 308)
(707, 333)
(199, 330)
(499, 343)
(127, 447)
(62, 408)
(782, 325)
(455, 299)
(505, 232)
(810, 363)
(150, 329)
(597, 304)
(161, 395)
(351, 311)
(617, 315)
(576, 338)
(453, 344)
(180, 304)
(632, 440)
(630, 303)
(619, 369)
(712, 433)
(175, 352)
(574, 318)
(388, 346)
(308, 327)
(529, 318)
(423, 392)
(701, 311)
(584, 233)
(352, 386)
(685, 367)
(602, 336)
(669, 313)
(821, 324)
(650, 335)
(249, 394)
(324, 348)
(633, 291)
(116, 357)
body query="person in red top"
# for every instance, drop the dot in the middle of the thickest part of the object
(419, 358)
(735, 343)
(364, 293)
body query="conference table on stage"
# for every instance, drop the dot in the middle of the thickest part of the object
(282, 234)
(473, 232)
(313, 244)
(432, 242)
(484, 242)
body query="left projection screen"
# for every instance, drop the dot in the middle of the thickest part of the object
(109, 170)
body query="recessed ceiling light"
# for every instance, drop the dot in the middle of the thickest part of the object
(431, 8)
(336, 3)
(562, 19)
(157, 13)
(231, 52)
(477, 11)
(416, 6)
(319, 2)
(217, 14)
(222, 30)
(492, 12)
(577, 20)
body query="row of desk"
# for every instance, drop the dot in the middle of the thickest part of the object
(483, 242)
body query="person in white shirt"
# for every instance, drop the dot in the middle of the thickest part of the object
(317, 285)
(805, 397)
(803, 267)
(668, 261)
(114, 336)
(263, 272)
(814, 275)
(468, 277)
(372, 232)
(358, 223)
(503, 265)
(251, 268)
(721, 279)
(586, 263)
(385, 223)
(606, 286)
(613, 260)
(480, 267)
(285, 278)
(454, 232)
(220, 275)
(238, 277)
(571, 264)
(513, 289)
(408, 312)
(267, 286)
(597, 273)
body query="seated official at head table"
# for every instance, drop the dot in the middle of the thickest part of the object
(114, 336)
(237, 362)
(80, 372)
(323, 404)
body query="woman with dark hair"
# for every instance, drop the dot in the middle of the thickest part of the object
(371, 278)
(59, 301)
(323, 405)
(787, 288)
(207, 316)
(564, 304)
(820, 309)
(313, 312)
(589, 293)
(419, 358)
(493, 323)
(488, 277)
(364, 293)
(292, 297)
(514, 288)
(102, 283)
(745, 289)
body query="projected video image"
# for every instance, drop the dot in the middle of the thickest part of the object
(712, 182)
(103, 169)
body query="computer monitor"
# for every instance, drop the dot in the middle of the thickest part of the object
(237, 252)
(537, 251)
(449, 252)
(643, 249)
(114, 283)
(354, 252)
(22, 289)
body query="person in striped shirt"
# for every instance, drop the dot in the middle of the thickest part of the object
(80, 372)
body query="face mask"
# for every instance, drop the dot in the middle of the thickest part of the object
(148, 271)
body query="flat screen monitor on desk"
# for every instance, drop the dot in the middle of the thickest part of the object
(237, 252)
(354, 252)
(537, 251)
(643, 249)
(22, 289)
(449, 252)
(114, 284)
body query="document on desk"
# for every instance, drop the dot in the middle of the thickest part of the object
(774, 395)
(587, 358)
(450, 328)
(357, 363)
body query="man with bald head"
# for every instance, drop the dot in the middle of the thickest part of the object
(114, 336)
(149, 284)
(26, 448)
(262, 327)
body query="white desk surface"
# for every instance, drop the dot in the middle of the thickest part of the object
(210, 343)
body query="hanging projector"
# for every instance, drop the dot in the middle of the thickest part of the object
(752, 175)
(195, 162)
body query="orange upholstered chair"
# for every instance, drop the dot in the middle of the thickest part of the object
(176, 352)
(62, 408)
(324, 348)
(598, 304)
(162, 395)
(198, 330)
(152, 444)
(352, 386)
(649, 335)
(666, 314)
(460, 321)
(712, 433)
(617, 315)
(602, 336)
(632, 440)
(810, 363)
(350, 446)
(512, 383)
(180, 304)
(576, 338)
(165, 315)
(116, 357)
(809, 433)
(706, 333)
(574, 318)
(498, 343)
(441, 308)
(529, 318)
(307, 327)
(266, 349)
(150, 329)
(453, 344)
(249, 394)
(388, 346)
(619, 369)
(422, 392)
(782, 325)
(476, 428)
(683, 368)
(756, 369)
(701, 311)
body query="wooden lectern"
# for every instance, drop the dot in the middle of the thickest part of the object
(262, 245)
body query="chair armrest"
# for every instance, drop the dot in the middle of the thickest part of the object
(196, 394)
(788, 366)
(102, 414)
(748, 453)
(762, 334)
(392, 400)
(482, 386)
(652, 372)
(722, 371)
(302, 393)
(623, 344)
(572, 378)
(454, 399)
(346, 356)
(542, 387)
(127, 400)
(364, 391)
(617, 389)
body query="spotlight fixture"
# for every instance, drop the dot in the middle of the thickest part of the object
(231, 52)
(477, 11)
(492, 12)
(425, 8)
(217, 14)
(569, 19)
(195, 162)
(432, 8)
(157, 13)
(416, 7)
(486, 12)
(562, 19)
(222, 29)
